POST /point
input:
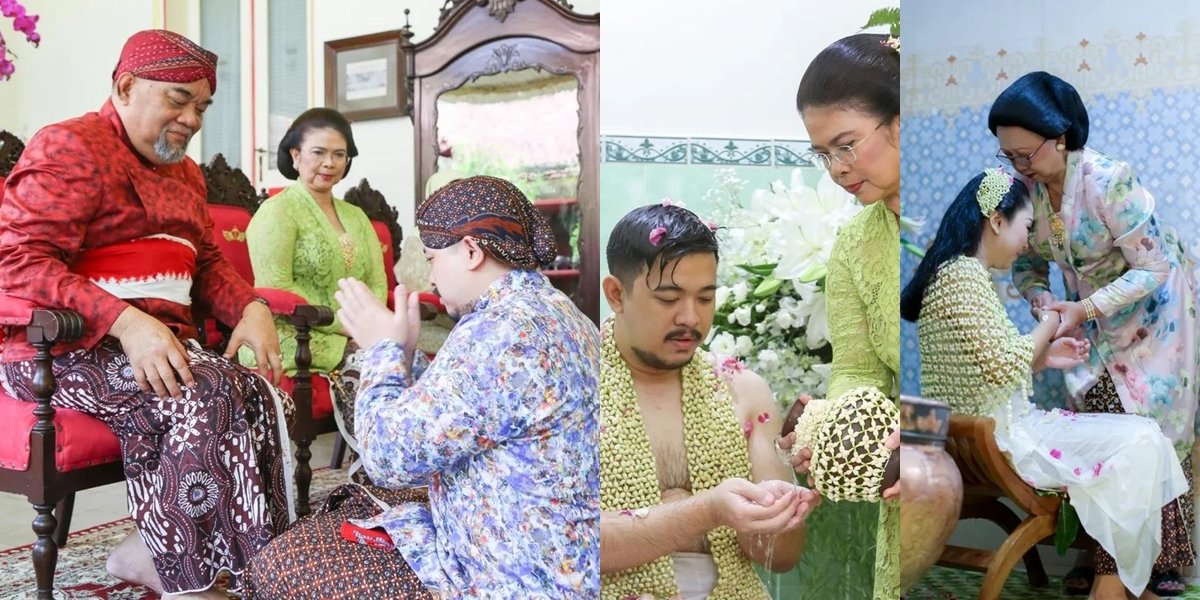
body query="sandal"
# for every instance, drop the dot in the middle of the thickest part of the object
(1078, 581)
(1167, 583)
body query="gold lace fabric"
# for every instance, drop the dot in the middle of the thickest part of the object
(972, 357)
(716, 450)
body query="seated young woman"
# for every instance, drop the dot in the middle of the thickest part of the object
(1119, 471)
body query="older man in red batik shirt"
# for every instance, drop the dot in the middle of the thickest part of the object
(105, 215)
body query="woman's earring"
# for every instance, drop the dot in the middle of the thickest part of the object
(1060, 147)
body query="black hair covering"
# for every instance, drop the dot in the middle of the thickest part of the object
(1045, 105)
(860, 71)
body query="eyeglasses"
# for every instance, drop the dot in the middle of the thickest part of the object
(843, 154)
(1020, 161)
(339, 156)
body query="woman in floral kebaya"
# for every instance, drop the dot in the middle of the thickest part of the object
(1130, 288)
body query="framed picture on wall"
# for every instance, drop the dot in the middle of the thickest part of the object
(364, 76)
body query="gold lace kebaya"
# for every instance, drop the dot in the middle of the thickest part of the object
(972, 357)
(716, 450)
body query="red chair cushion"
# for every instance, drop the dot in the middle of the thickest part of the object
(81, 441)
(15, 311)
(322, 404)
(229, 233)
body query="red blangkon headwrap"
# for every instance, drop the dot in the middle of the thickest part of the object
(161, 55)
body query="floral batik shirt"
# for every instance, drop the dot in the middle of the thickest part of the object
(503, 428)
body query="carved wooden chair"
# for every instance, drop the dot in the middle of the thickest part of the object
(48, 454)
(386, 222)
(232, 202)
(987, 477)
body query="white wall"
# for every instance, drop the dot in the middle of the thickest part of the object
(385, 146)
(70, 73)
(714, 68)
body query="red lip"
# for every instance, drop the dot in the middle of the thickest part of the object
(853, 189)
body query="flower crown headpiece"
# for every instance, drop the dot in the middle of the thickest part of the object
(996, 183)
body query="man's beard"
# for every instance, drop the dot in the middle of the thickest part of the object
(655, 361)
(167, 154)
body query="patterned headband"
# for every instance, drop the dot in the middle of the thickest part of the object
(996, 183)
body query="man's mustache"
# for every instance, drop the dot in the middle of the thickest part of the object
(683, 334)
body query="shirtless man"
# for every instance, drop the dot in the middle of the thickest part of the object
(692, 488)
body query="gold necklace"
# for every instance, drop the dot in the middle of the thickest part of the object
(349, 250)
(1058, 230)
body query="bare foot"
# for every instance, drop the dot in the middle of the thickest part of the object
(1108, 587)
(130, 561)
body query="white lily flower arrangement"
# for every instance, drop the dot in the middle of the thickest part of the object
(775, 249)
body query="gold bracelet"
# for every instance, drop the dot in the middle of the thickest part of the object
(1089, 308)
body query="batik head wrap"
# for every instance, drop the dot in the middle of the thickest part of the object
(161, 55)
(495, 214)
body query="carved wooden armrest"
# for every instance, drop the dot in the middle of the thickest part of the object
(984, 459)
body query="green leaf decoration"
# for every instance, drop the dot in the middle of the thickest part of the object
(760, 270)
(885, 16)
(816, 272)
(918, 251)
(768, 287)
(1067, 528)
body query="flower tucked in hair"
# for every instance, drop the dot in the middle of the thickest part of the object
(657, 234)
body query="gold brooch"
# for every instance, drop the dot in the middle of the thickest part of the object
(1058, 231)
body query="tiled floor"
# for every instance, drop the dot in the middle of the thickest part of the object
(100, 505)
(942, 583)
